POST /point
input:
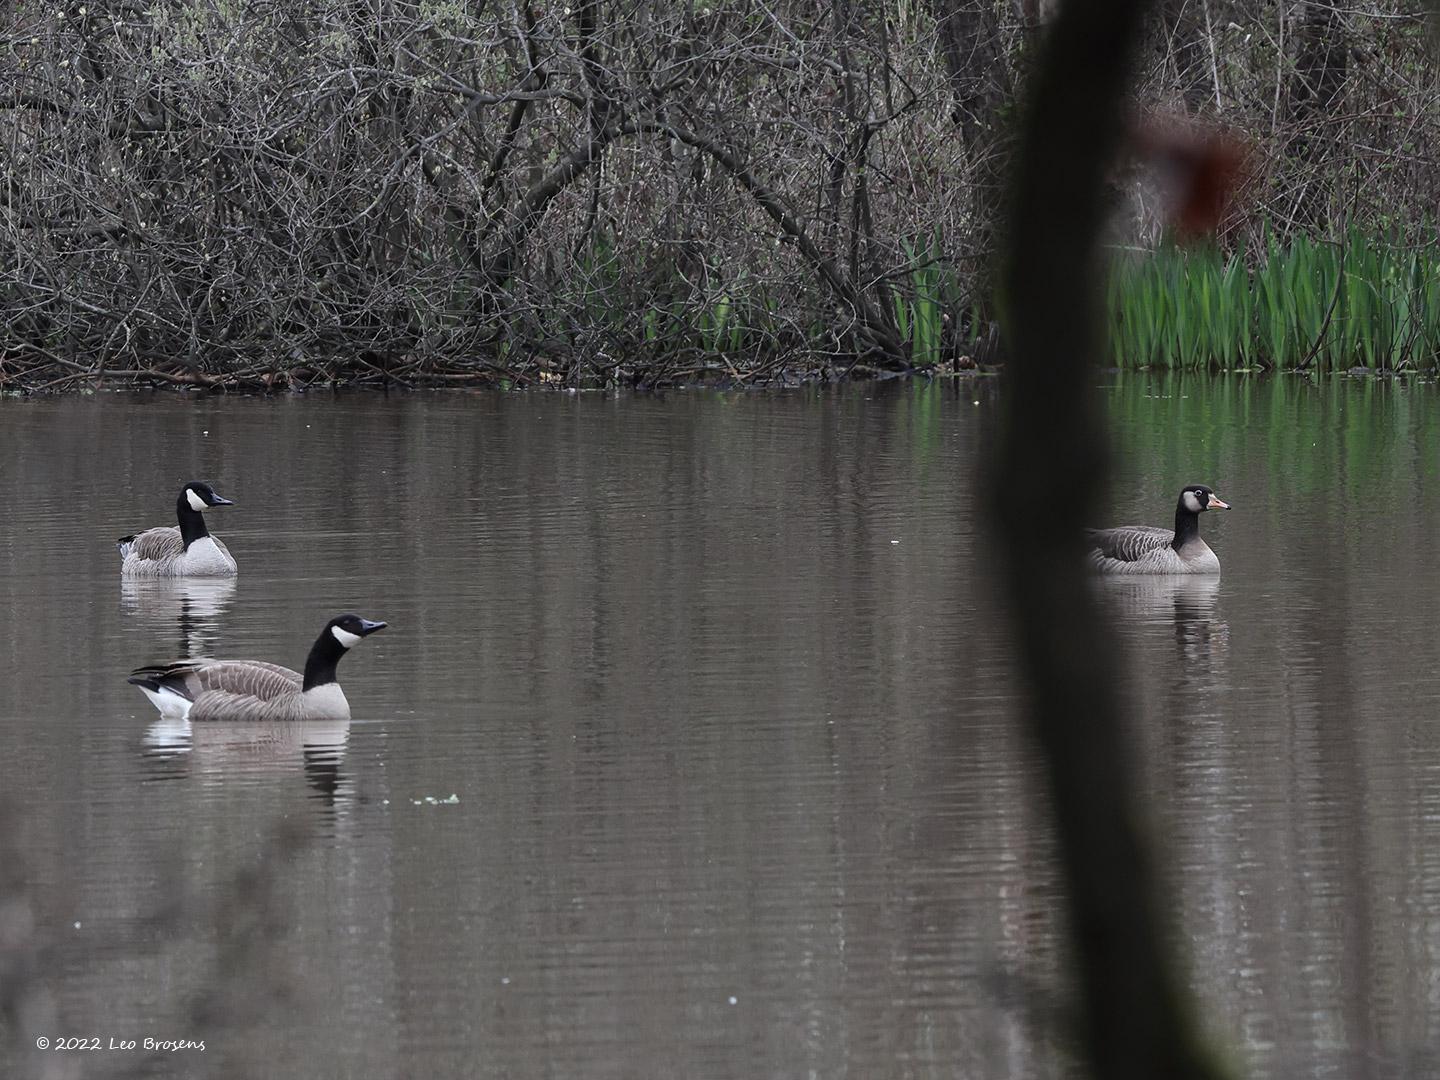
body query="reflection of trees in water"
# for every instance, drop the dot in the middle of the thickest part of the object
(1335, 827)
(192, 607)
(241, 989)
(977, 913)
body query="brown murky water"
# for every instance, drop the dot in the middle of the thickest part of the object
(722, 697)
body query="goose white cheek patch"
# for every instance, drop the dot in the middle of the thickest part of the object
(196, 503)
(344, 636)
(1192, 503)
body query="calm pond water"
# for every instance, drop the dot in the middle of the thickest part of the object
(721, 694)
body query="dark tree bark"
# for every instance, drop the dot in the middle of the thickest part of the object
(1138, 1020)
(1321, 59)
(979, 76)
(1322, 56)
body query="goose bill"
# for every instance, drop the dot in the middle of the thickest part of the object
(1216, 504)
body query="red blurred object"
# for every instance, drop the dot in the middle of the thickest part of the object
(1200, 168)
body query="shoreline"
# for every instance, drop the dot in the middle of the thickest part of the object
(57, 378)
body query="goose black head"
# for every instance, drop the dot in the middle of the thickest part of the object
(200, 496)
(1197, 498)
(339, 636)
(349, 629)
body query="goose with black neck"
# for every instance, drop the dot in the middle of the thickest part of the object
(183, 550)
(253, 690)
(1145, 549)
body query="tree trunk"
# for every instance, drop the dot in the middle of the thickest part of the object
(1139, 1020)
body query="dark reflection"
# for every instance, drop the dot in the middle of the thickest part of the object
(1188, 603)
(323, 771)
(217, 751)
(190, 608)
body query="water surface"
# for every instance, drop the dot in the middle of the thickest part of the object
(691, 749)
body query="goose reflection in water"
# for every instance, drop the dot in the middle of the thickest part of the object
(1189, 604)
(227, 752)
(190, 607)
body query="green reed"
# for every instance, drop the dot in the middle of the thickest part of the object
(923, 300)
(1364, 301)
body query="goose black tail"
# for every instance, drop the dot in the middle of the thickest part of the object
(152, 677)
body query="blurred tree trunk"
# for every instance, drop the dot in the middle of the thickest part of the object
(1139, 1022)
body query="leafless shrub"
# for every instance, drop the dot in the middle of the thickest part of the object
(400, 191)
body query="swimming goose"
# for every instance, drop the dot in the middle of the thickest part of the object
(1141, 549)
(254, 691)
(184, 551)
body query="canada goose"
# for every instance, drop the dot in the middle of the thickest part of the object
(184, 551)
(1141, 549)
(254, 691)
